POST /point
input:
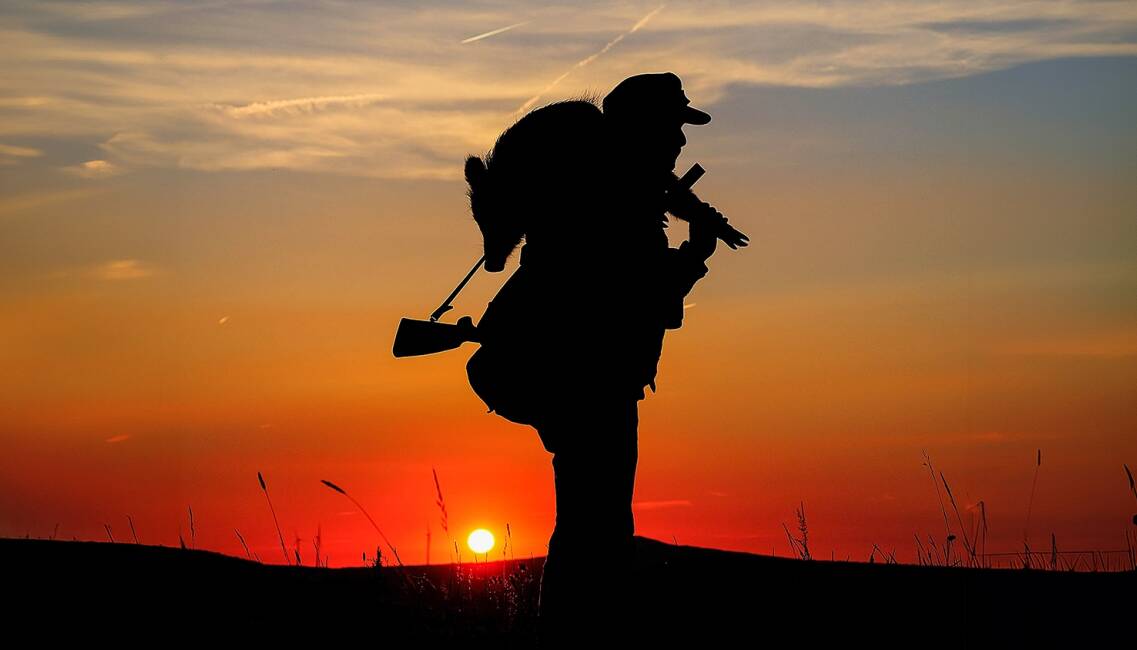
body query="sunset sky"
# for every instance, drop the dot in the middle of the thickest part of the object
(214, 214)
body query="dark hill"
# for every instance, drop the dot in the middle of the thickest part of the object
(684, 593)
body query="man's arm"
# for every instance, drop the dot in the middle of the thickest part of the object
(686, 265)
(682, 268)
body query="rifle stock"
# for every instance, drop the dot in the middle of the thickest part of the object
(419, 337)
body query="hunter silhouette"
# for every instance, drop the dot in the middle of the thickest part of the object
(581, 322)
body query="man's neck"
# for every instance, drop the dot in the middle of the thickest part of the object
(641, 177)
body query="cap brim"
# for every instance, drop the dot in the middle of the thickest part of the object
(695, 116)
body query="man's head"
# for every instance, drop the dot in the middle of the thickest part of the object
(648, 112)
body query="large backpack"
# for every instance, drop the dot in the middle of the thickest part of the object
(535, 168)
(505, 372)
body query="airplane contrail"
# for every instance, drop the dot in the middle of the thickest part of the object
(301, 105)
(496, 31)
(580, 64)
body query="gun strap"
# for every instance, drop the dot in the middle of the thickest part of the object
(693, 174)
(445, 306)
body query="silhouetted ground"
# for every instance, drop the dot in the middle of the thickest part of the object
(683, 594)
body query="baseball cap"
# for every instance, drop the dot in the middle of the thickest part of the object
(658, 94)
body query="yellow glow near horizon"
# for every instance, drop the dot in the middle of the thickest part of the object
(480, 541)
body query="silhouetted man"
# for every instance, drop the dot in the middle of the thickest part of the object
(635, 285)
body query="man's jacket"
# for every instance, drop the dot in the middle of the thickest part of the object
(590, 313)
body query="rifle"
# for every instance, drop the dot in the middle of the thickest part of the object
(419, 337)
(687, 206)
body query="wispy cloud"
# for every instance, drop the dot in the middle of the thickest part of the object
(94, 169)
(7, 150)
(299, 106)
(123, 270)
(118, 438)
(658, 505)
(391, 91)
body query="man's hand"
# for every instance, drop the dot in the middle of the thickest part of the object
(704, 233)
(705, 222)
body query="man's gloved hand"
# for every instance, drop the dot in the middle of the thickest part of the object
(683, 203)
(704, 233)
(706, 222)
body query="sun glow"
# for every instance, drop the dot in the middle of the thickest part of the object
(480, 541)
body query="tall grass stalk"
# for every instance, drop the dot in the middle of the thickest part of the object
(804, 531)
(920, 552)
(1132, 486)
(799, 546)
(246, 546)
(1030, 503)
(316, 543)
(966, 543)
(364, 511)
(942, 556)
(983, 513)
(889, 558)
(1131, 547)
(441, 503)
(928, 462)
(1130, 551)
(264, 488)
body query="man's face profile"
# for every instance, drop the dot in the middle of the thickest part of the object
(654, 143)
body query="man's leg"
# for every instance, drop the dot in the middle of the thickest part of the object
(585, 577)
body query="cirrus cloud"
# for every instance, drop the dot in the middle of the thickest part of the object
(402, 91)
(116, 270)
(93, 169)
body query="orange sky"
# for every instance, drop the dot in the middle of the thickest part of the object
(203, 268)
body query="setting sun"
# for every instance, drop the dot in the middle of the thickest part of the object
(480, 541)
